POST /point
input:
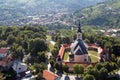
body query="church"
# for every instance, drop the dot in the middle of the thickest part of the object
(79, 49)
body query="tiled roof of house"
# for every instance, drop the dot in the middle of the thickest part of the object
(62, 49)
(5, 61)
(3, 50)
(49, 75)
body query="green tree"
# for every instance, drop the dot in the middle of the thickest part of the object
(55, 52)
(81, 68)
(93, 72)
(39, 67)
(25, 45)
(118, 62)
(98, 66)
(89, 77)
(18, 53)
(52, 62)
(57, 66)
(39, 76)
(41, 56)
(107, 65)
(65, 68)
(10, 39)
(103, 73)
(90, 67)
(76, 69)
(37, 45)
(3, 43)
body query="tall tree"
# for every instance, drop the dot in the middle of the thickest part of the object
(76, 69)
(103, 73)
(37, 45)
(89, 77)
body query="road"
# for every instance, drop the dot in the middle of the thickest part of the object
(53, 42)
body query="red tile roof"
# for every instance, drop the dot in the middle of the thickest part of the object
(49, 75)
(62, 49)
(5, 61)
(3, 50)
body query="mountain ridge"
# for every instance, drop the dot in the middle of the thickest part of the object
(13, 10)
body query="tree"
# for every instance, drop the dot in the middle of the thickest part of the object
(107, 65)
(3, 44)
(37, 45)
(90, 67)
(76, 69)
(55, 52)
(65, 68)
(25, 45)
(18, 53)
(89, 77)
(118, 62)
(57, 66)
(39, 67)
(103, 73)
(113, 58)
(66, 40)
(10, 39)
(39, 76)
(52, 62)
(81, 68)
(98, 66)
(41, 56)
(93, 72)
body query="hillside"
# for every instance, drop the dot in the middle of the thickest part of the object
(20, 12)
(103, 14)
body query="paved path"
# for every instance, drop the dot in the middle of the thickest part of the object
(52, 42)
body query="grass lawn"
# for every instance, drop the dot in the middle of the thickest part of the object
(48, 37)
(93, 59)
(66, 56)
(92, 56)
(95, 53)
(51, 47)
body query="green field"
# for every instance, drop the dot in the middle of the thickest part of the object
(93, 55)
(66, 56)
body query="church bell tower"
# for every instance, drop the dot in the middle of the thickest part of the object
(79, 32)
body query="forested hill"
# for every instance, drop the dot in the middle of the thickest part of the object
(18, 12)
(103, 14)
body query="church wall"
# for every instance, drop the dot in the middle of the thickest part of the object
(81, 58)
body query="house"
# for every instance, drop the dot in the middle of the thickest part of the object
(20, 68)
(5, 59)
(4, 52)
(49, 75)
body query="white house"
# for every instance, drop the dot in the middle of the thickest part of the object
(19, 67)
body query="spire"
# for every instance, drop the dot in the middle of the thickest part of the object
(79, 27)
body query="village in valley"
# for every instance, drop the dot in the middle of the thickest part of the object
(60, 40)
(58, 55)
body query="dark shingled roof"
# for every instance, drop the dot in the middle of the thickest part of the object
(79, 47)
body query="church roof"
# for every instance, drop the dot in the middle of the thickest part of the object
(79, 47)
